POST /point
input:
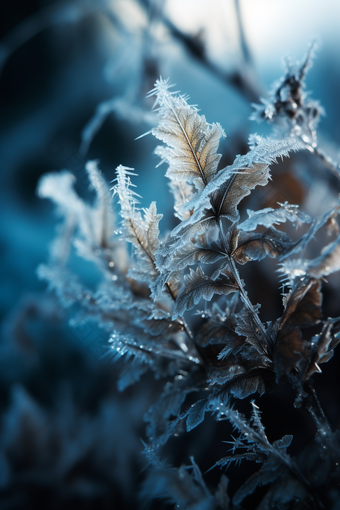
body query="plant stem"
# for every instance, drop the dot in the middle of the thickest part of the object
(183, 321)
(250, 307)
(245, 298)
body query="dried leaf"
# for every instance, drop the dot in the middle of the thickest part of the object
(257, 246)
(201, 251)
(328, 262)
(197, 285)
(192, 142)
(302, 309)
(322, 348)
(235, 182)
(141, 231)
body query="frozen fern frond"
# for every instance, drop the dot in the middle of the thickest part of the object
(144, 296)
(280, 472)
(192, 142)
(198, 286)
(94, 225)
(141, 231)
(202, 236)
(233, 183)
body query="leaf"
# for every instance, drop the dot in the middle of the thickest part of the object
(58, 186)
(322, 348)
(317, 223)
(302, 309)
(141, 231)
(197, 285)
(196, 414)
(268, 217)
(103, 215)
(251, 247)
(201, 251)
(302, 305)
(182, 191)
(164, 417)
(283, 443)
(247, 327)
(220, 328)
(236, 181)
(220, 333)
(246, 385)
(236, 380)
(328, 262)
(200, 222)
(193, 143)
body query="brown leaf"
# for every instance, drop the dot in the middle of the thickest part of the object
(257, 246)
(302, 309)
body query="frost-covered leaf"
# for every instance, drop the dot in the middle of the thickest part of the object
(104, 221)
(236, 380)
(182, 191)
(198, 285)
(302, 309)
(328, 262)
(248, 327)
(257, 246)
(90, 228)
(219, 330)
(141, 231)
(165, 416)
(192, 142)
(247, 384)
(203, 221)
(236, 181)
(316, 225)
(283, 443)
(220, 333)
(196, 414)
(268, 217)
(201, 251)
(322, 348)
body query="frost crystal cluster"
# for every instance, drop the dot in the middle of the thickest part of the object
(224, 351)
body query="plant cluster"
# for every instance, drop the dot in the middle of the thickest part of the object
(214, 356)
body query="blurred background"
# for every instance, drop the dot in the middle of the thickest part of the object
(73, 81)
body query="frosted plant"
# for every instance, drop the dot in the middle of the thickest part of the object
(224, 351)
(291, 109)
